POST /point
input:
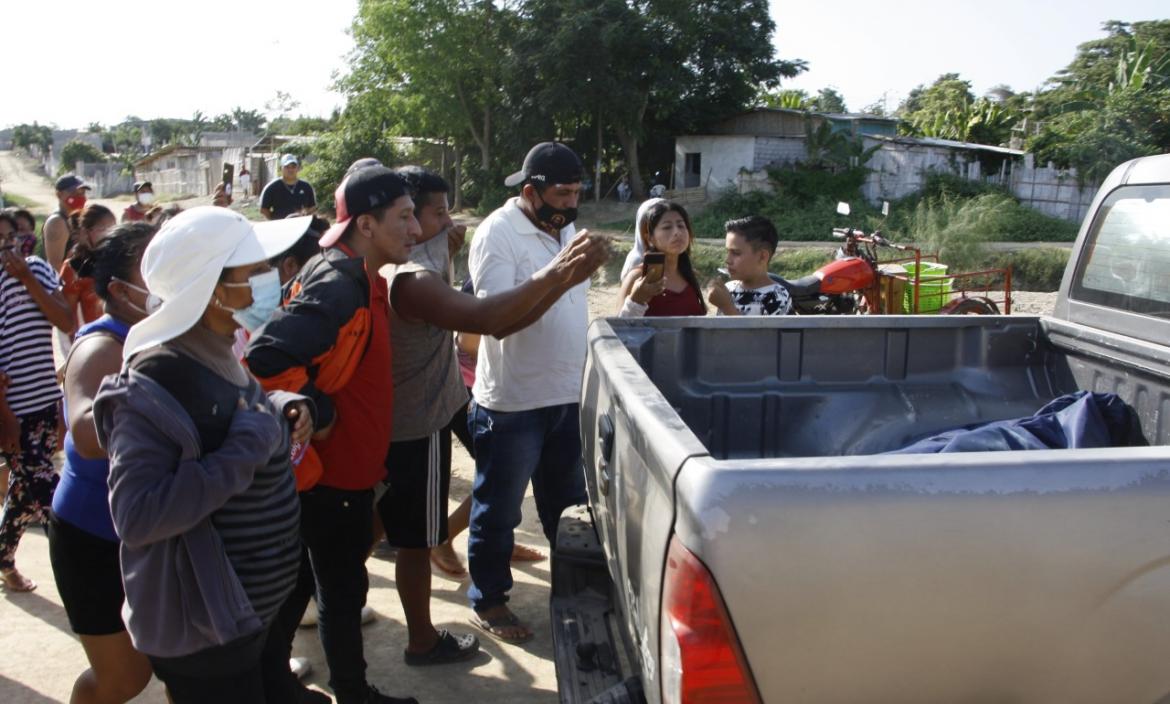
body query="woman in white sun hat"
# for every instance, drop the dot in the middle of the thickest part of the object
(201, 491)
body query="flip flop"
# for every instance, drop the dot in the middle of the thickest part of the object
(523, 553)
(494, 627)
(16, 582)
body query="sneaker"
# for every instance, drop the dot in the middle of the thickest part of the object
(301, 667)
(376, 697)
(449, 648)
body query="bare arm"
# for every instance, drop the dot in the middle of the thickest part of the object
(424, 296)
(720, 297)
(9, 423)
(51, 303)
(93, 358)
(56, 237)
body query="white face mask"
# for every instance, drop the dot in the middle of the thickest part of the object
(145, 198)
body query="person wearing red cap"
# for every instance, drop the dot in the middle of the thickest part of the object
(331, 342)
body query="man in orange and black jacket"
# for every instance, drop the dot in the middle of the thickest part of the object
(331, 342)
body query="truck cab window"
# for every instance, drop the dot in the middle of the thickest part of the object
(1128, 253)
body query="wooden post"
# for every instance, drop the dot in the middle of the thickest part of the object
(597, 168)
(458, 205)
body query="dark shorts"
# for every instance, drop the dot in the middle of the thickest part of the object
(89, 579)
(418, 476)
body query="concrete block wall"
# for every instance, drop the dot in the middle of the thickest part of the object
(105, 179)
(778, 150)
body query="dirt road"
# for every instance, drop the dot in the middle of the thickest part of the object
(18, 175)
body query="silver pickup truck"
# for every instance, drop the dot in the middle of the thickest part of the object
(747, 540)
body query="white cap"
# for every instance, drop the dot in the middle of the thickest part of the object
(184, 261)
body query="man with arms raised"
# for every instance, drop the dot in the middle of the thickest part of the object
(429, 392)
(524, 416)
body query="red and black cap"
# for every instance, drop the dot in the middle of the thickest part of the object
(548, 163)
(362, 190)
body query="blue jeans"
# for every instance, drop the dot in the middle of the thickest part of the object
(542, 445)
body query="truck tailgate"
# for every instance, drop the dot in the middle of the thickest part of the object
(1003, 577)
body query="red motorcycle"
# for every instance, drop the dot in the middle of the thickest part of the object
(858, 281)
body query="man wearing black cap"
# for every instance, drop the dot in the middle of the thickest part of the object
(430, 396)
(143, 197)
(331, 342)
(525, 412)
(71, 196)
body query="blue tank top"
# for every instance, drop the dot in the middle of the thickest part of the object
(82, 496)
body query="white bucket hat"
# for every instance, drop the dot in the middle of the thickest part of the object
(184, 261)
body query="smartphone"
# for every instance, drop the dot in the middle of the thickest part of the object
(654, 265)
(229, 175)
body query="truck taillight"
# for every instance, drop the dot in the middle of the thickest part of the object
(702, 662)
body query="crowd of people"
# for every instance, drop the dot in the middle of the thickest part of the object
(245, 409)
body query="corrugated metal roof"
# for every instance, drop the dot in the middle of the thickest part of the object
(947, 144)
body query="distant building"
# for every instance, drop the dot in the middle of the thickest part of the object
(737, 153)
(755, 140)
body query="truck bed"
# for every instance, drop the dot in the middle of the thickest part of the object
(851, 576)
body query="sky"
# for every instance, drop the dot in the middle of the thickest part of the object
(879, 51)
(74, 62)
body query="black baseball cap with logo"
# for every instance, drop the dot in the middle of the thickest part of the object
(548, 163)
(363, 190)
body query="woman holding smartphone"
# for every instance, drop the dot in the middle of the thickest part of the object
(664, 283)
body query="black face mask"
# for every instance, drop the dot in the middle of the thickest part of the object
(555, 217)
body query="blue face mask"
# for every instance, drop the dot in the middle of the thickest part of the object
(265, 300)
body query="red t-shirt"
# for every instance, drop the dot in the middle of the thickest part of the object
(132, 214)
(684, 302)
(354, 454)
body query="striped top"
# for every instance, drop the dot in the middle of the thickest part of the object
(26, 342)
(259, 529)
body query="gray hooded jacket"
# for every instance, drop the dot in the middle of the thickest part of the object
(182, 594)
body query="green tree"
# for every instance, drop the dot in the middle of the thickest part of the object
(248, 120)
(788, 98)
(828, 100)
(1111, 104)
(936, 107)
(432, 68)
(76, 150)
(653, 65)
(35, 136)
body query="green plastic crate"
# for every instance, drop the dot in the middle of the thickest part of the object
(934, 292)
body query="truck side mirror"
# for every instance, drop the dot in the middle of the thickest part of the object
(842, 208)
